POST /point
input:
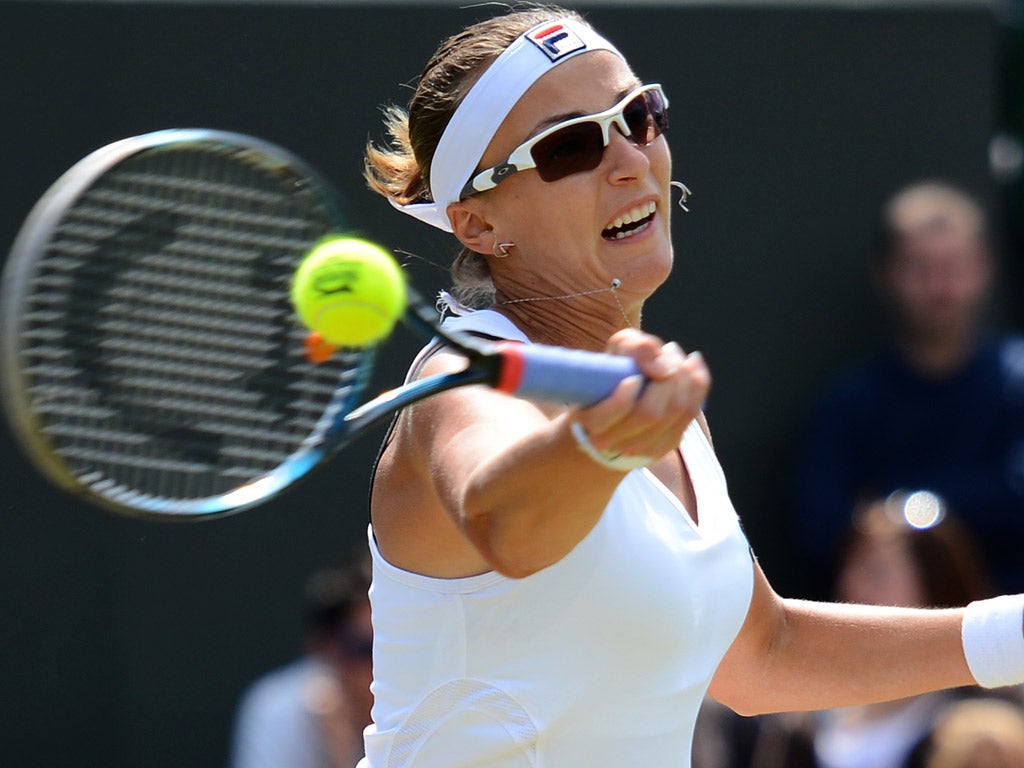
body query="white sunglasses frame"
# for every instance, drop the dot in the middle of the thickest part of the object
(522, 160)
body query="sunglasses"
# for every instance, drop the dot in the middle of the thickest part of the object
(578, 144)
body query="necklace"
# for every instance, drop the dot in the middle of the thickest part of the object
(610, 289)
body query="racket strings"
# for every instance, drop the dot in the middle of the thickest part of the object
(159, 339)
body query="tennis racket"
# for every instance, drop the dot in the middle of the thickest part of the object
(152, 361)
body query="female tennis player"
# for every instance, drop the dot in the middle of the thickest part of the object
(560, 586)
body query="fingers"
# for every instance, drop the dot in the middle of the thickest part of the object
(647, 415)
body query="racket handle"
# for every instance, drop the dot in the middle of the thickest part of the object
(539, 372)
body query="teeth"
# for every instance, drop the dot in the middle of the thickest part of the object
(631, 232)
(636, 214)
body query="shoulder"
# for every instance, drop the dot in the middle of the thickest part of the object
(485, 322)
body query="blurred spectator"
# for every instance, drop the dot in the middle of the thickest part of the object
(978, 733)
(905, 550)
(942, 408)
(724, 739)
(312, 712)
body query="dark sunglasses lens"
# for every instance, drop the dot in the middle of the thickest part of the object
(646, 117)
(580, 147)
(570, 150)
(659, 112)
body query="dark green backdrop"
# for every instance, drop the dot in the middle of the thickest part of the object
(126, 643)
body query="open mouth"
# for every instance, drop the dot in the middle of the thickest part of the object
(632, 222)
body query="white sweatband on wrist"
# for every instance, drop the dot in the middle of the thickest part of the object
(609, 459)
(993, 639)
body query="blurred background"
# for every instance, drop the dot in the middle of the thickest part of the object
(128, 643)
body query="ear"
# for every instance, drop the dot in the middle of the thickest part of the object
(471, 226)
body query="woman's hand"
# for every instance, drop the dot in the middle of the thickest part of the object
(646, 416)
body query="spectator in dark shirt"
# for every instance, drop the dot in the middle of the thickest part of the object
(941, 409)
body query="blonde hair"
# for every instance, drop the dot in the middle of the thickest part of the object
(979, 733)
(926, 205)
(400, 170)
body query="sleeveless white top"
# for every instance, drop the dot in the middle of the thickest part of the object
(598, 661)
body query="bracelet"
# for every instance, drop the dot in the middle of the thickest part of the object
(609, 459)
(993, 639)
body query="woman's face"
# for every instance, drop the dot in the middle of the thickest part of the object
(561, 229)
(880, 572)
(938, 280)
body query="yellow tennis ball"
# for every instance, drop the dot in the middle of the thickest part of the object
(350, 291)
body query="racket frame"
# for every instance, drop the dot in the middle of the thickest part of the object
(532, 371)
(21, 266)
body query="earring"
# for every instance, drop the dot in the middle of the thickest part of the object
(684, 194)
(500, 250)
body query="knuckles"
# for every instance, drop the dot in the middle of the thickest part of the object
(635, 343)
(655, 409)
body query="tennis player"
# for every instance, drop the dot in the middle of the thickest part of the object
(558, 586)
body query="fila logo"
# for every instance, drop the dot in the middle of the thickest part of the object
(556, 41)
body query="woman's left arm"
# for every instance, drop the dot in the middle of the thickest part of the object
(800, 655)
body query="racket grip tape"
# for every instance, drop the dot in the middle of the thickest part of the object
(578, 377)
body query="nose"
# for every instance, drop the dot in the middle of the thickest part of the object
(626, 160)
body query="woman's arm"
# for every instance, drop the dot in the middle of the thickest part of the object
(509, 472)
(799, 655)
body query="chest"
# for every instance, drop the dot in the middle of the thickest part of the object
(672, 473)
(684, 570)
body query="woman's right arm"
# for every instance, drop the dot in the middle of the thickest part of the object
(509, 472)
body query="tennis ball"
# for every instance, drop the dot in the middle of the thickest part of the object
(350, 291)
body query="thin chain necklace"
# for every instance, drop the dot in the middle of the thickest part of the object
(613, 288)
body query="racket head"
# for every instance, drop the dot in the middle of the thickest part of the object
(151, 358)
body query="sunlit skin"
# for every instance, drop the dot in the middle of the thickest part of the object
(556, 227)
(475, 481)
(452, 472)
(880, 571)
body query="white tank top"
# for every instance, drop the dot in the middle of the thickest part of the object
(598, 661)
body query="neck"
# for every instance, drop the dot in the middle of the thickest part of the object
(937, 356)
(582, 320)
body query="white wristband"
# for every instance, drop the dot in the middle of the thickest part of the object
(608, 459)
(993, 638)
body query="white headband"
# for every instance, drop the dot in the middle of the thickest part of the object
(488, 103)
